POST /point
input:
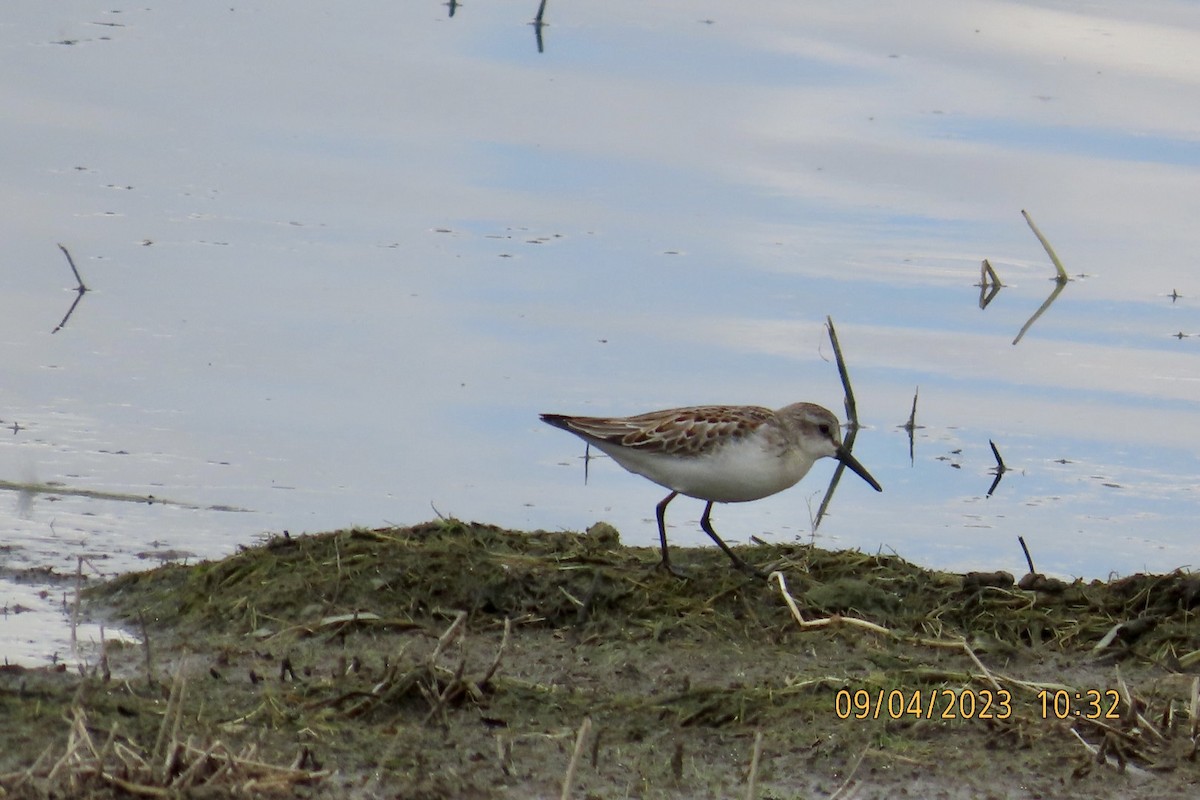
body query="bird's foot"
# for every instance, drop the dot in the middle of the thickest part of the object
(753, 572)
(665, 566)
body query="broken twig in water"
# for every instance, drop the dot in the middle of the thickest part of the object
(1001, 468)
(989, 284)
(851, 421)
(80, 290)
(1060, 279)
(911, 426)
(851, 407)
(1062, 272)
(1058, 287)
(67, 491)
(1028, 558)
(538, 24)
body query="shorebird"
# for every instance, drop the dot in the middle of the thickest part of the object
(719, 454)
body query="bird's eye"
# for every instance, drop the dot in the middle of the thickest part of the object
(824, 428)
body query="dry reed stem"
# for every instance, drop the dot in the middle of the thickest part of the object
(1111, 751)
(849, 785)
(171, 715)
(821, 623)
(752, 779)
(117, 764)
(1124, 766)
(1060, 271)
(955, 644)
(499, 652)
(449, 636)
(1194, 707)
(569, 778)
(1137, 716)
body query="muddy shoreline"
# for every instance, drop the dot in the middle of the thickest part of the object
(455, 659)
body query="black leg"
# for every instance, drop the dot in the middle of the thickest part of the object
(737, 562)
(662, 532)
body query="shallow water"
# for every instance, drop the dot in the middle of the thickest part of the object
(339, 259)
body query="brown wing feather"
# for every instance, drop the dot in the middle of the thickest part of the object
(674, 430)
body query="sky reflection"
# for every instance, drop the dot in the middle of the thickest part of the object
(340, 259)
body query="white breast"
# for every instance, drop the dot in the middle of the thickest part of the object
(736, 473)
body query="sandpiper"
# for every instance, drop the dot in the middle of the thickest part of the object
(720, 454)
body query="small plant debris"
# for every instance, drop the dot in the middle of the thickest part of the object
(454, 659)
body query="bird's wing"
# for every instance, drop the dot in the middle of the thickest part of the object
(681, 431)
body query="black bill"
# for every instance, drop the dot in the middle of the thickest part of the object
(850, 461)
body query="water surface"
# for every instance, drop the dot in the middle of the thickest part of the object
(340, 258)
